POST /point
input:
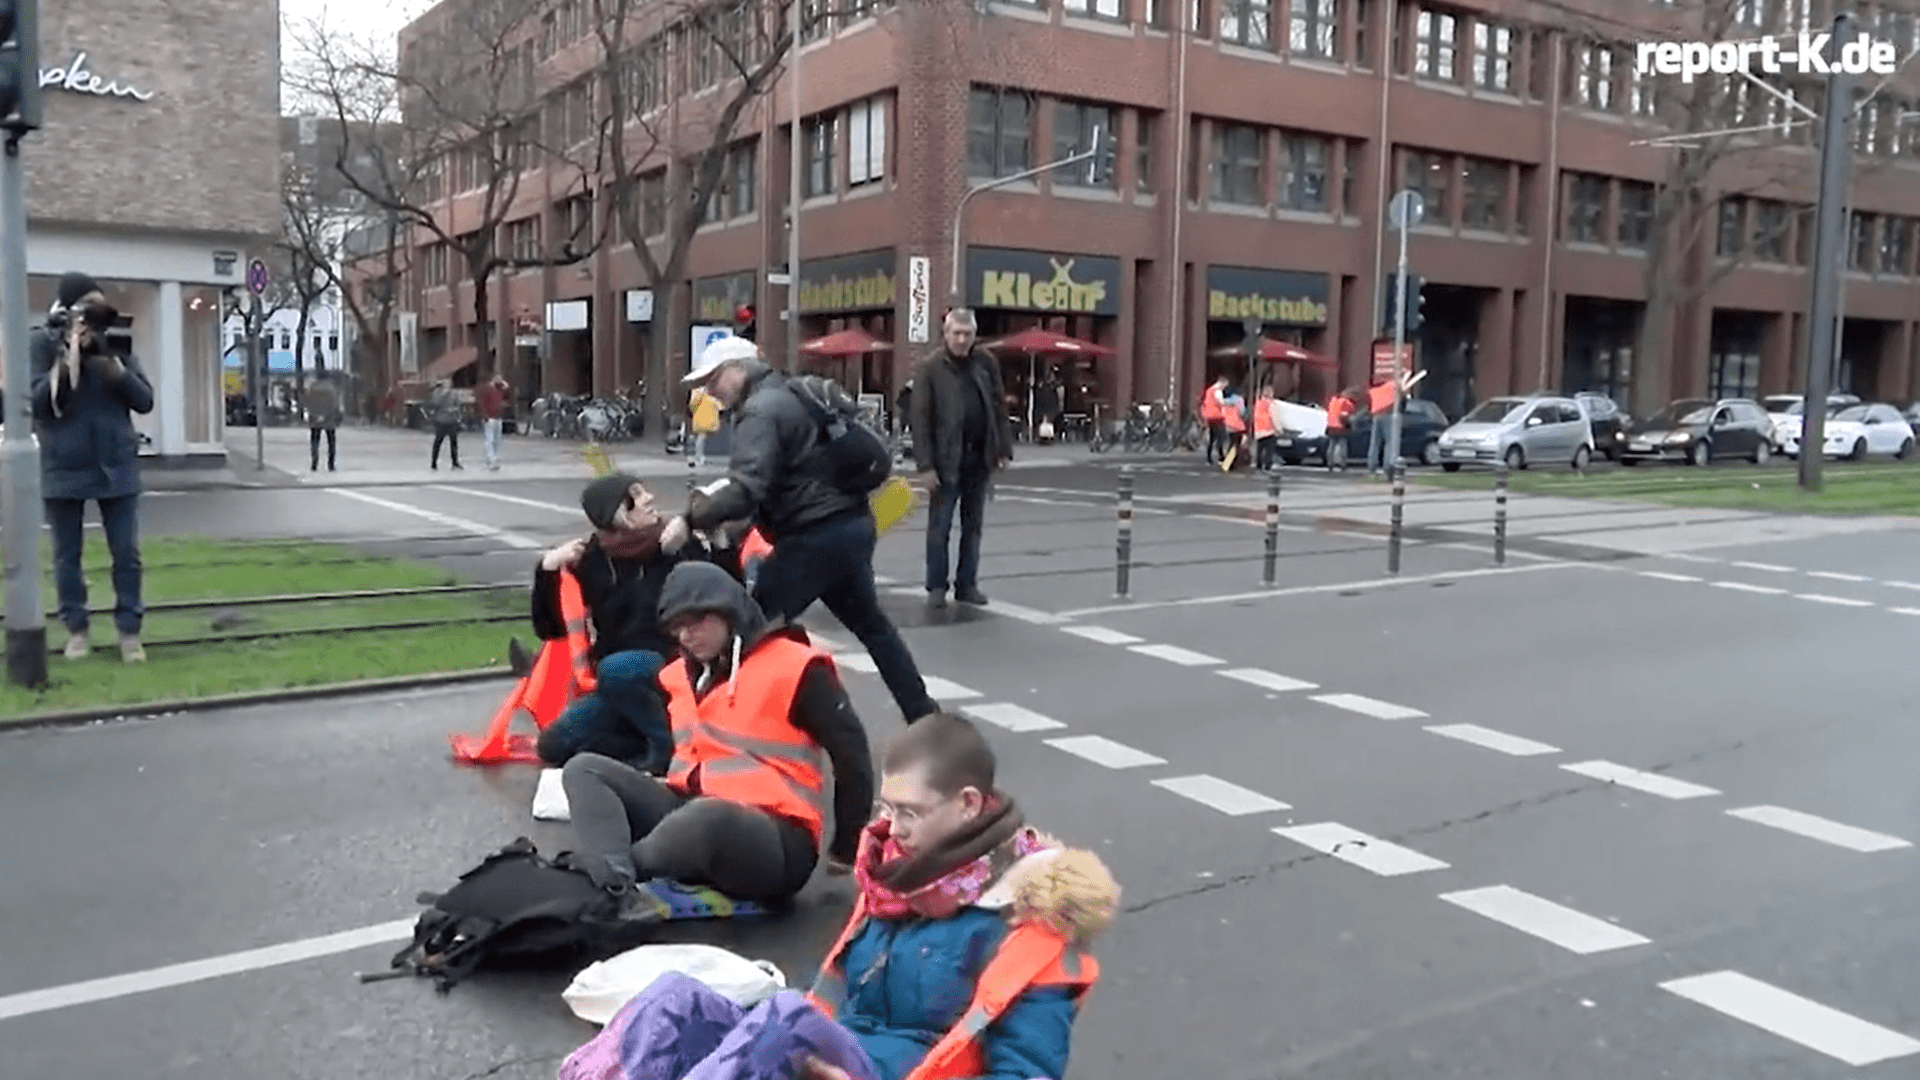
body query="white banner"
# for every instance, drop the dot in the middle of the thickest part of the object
(919, 299)
(639, 305)
(409, 342)
(567, 315)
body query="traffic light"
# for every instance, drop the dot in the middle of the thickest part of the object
(1390, 307)
(19, 66)
(743, 319)
(1100, 166)
(1416, 303)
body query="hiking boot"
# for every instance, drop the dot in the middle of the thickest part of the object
(131, 651)
(972, 596)
(78, 647)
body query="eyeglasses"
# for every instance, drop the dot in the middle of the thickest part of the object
(906, 813)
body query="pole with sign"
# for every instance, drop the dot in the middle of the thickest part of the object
(20, 493)
(256, 360)
(1405, 211)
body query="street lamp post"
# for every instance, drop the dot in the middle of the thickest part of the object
(956, 293)
(1405, 211)
(1829, 211)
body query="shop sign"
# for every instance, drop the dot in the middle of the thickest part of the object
(715, 299)
(76, 78)
(1285, 297)
(1383, 359)
(1039, 281)
(850, 283)
(919, 299)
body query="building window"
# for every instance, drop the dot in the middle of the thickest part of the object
(1751, 13)
(742, 178)
(1636, 214)
(653, 203)
(999, 132)
(1733, 222)
(1236, 164)
(1143, 152)
(1303, 181)
(816, 156)
(1350, 178)
(1428, 174)
(1593, 76)
(1803, 236)
(1539, 64)
(1866, 127)
(523, 239)
(433, 270)
(1246, 22)
(815, 22)
(1484, 201)
(1895, 239)
(1493, 57)
(1362, 54)
(1736, 373)
(1314, 29)
(1437, 46)
(1771, 223)
(1100, 9)
(867, 142)
(1074, 124)
(1642, 93)
(1586, 208)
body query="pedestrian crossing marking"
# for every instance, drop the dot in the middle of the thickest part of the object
(1358, 849)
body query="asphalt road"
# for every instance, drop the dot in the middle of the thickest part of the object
(1662, 831)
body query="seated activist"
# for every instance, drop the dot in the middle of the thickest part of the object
(621, 569)
(758, 716)
(959, 904)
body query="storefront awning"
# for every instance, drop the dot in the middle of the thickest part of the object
(450, 362)
(1047, 343)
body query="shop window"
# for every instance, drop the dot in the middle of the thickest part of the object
(1303, 182)
(999, 132)
(1430, 175)
(1236, 165)
(867, 142)
(1493, 57)
(1246, 22)
(1483, 194)
(1770, 227)
(1436, 46)
(817, 138)
(1074, 124)
(1636, 214)
(1586, 208)
(1313, 29)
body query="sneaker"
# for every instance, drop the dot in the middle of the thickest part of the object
(131, 651)
(972, 596)
(936, 598)
(78, 647)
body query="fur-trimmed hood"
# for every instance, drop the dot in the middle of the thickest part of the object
(1068, 890)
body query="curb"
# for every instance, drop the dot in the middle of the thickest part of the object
(151, 709)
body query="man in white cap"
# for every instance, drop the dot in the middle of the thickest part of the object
(823, 536)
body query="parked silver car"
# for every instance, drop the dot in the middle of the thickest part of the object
(1536, 430)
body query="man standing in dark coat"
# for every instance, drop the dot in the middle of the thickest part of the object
(84, 398)
(960, 436)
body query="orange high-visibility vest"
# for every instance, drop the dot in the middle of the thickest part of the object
(1212, 410)
(755, 546)
(1380, 398)
(738, 738)
(573, 610)
(1235, 418)
(1262, 418)
(1337, 409)
(1029, 957)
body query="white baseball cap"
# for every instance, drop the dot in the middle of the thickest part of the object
(720, 351)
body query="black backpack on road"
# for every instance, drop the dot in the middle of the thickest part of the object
(858, 456)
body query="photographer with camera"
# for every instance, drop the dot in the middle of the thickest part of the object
(84, 398)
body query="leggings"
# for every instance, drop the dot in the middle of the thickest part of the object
(635, 828)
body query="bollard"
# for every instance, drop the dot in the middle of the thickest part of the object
(1267, 569)
(1399, 471)
(1500, 514)
(1123, 564)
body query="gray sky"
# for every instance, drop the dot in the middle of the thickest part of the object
(359, 17)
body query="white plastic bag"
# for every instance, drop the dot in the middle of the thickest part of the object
(550, 799)
(604, 988)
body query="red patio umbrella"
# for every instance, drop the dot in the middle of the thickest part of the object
(1034, 342)
(842, 344)
(1280, 352)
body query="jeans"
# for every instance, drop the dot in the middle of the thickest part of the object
(625, 718)
(833, 562)
(446, 433)
(313, 444)
(490, 439)
(970, 494)
(1266, 451)
(1216, 442)
(120, 520)
(699, 455)
(1376, 446)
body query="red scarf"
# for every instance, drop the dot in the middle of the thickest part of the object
(941, 898)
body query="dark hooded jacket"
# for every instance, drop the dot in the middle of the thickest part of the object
(778, 473)
(88, 446)
(820, 708)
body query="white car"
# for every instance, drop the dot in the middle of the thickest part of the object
(1785, 409)
(1859, 430)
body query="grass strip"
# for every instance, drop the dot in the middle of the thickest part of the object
(1869, 488)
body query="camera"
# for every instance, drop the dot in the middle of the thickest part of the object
(98, 317)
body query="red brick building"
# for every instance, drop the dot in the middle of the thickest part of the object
(1256, 146)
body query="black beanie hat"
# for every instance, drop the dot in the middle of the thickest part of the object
(74, 286)
(604, 498)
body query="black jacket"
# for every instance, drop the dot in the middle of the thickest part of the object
(778, 475)
(90, 449)
(622, 597)
(939, 413)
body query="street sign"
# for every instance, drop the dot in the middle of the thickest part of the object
(257, 277)
(1383, 358)
(1406, 209)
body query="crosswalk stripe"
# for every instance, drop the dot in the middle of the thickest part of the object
(1494, 740)
(1819, 828)
(1764, 590)
(1838, 601)
(1228, 798)
(1353, 846)
(1815, 1026)
(1572, 930)
(1177, 655)
(1104, 751)
(858, 661)
(1652, 783)
(1664, 576)
(1010, 716)
(1366, 706)
(947, 690)
(1768, 567)
(1831, 575)
(1103, 635)
(1267, 680)
(1024, 614)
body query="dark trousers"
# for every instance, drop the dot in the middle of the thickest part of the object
(450, 434)
(832, 562)
(970, 496)
(625, 718)
(120, 520)
(1216, 442)
(1265, 452)
(313, 444)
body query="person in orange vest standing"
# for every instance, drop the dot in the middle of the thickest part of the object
(1234, 420)
(759, 718)
(1264, 431)
(1213, 413)
(965, 955)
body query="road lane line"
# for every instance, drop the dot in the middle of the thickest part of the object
(1355, 847)
(1684, 557)
(1905, 611)
(858, 661)
(1336, 587)
(1230, 799)
(1103, 635)
(1012, 717)
(1024, 614)
(1819, 828)
(1104, 751)
(1832, 576)
(570, 511)
(511, 539)
(1494, 740)
(1770, 568)
(1794, 1018)
(1664, 576)
(946, 689)
(1652, 783)
(1572, 930)
(162, 978)
(1841, 601)
(1174, 654)
(1764, 590)
(1914, 585)
(1267, 680)
(1366, 706)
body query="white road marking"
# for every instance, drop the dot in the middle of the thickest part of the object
(1336, 587)
(1573, 931)
(1764, 590)
(1267, 680)
(1366, 706)
(1832, 576)
(1174, 654)
(1820, 598)
(1664, 576)
(511, 539)
(1794, 1018)
(1768, 567)
(1355, 847)
(1024, 614)
(1494, 740)
(1819, 828)
(1684, 557)
(570, 511)
(1652, 783)
(1914, 585)
(1103, 635)
(858, 661)
(884, 580)
(946, 690)
(1012, 717)
(1104, 751)
(1230, 799)
(1905, 611)
(140, 982)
